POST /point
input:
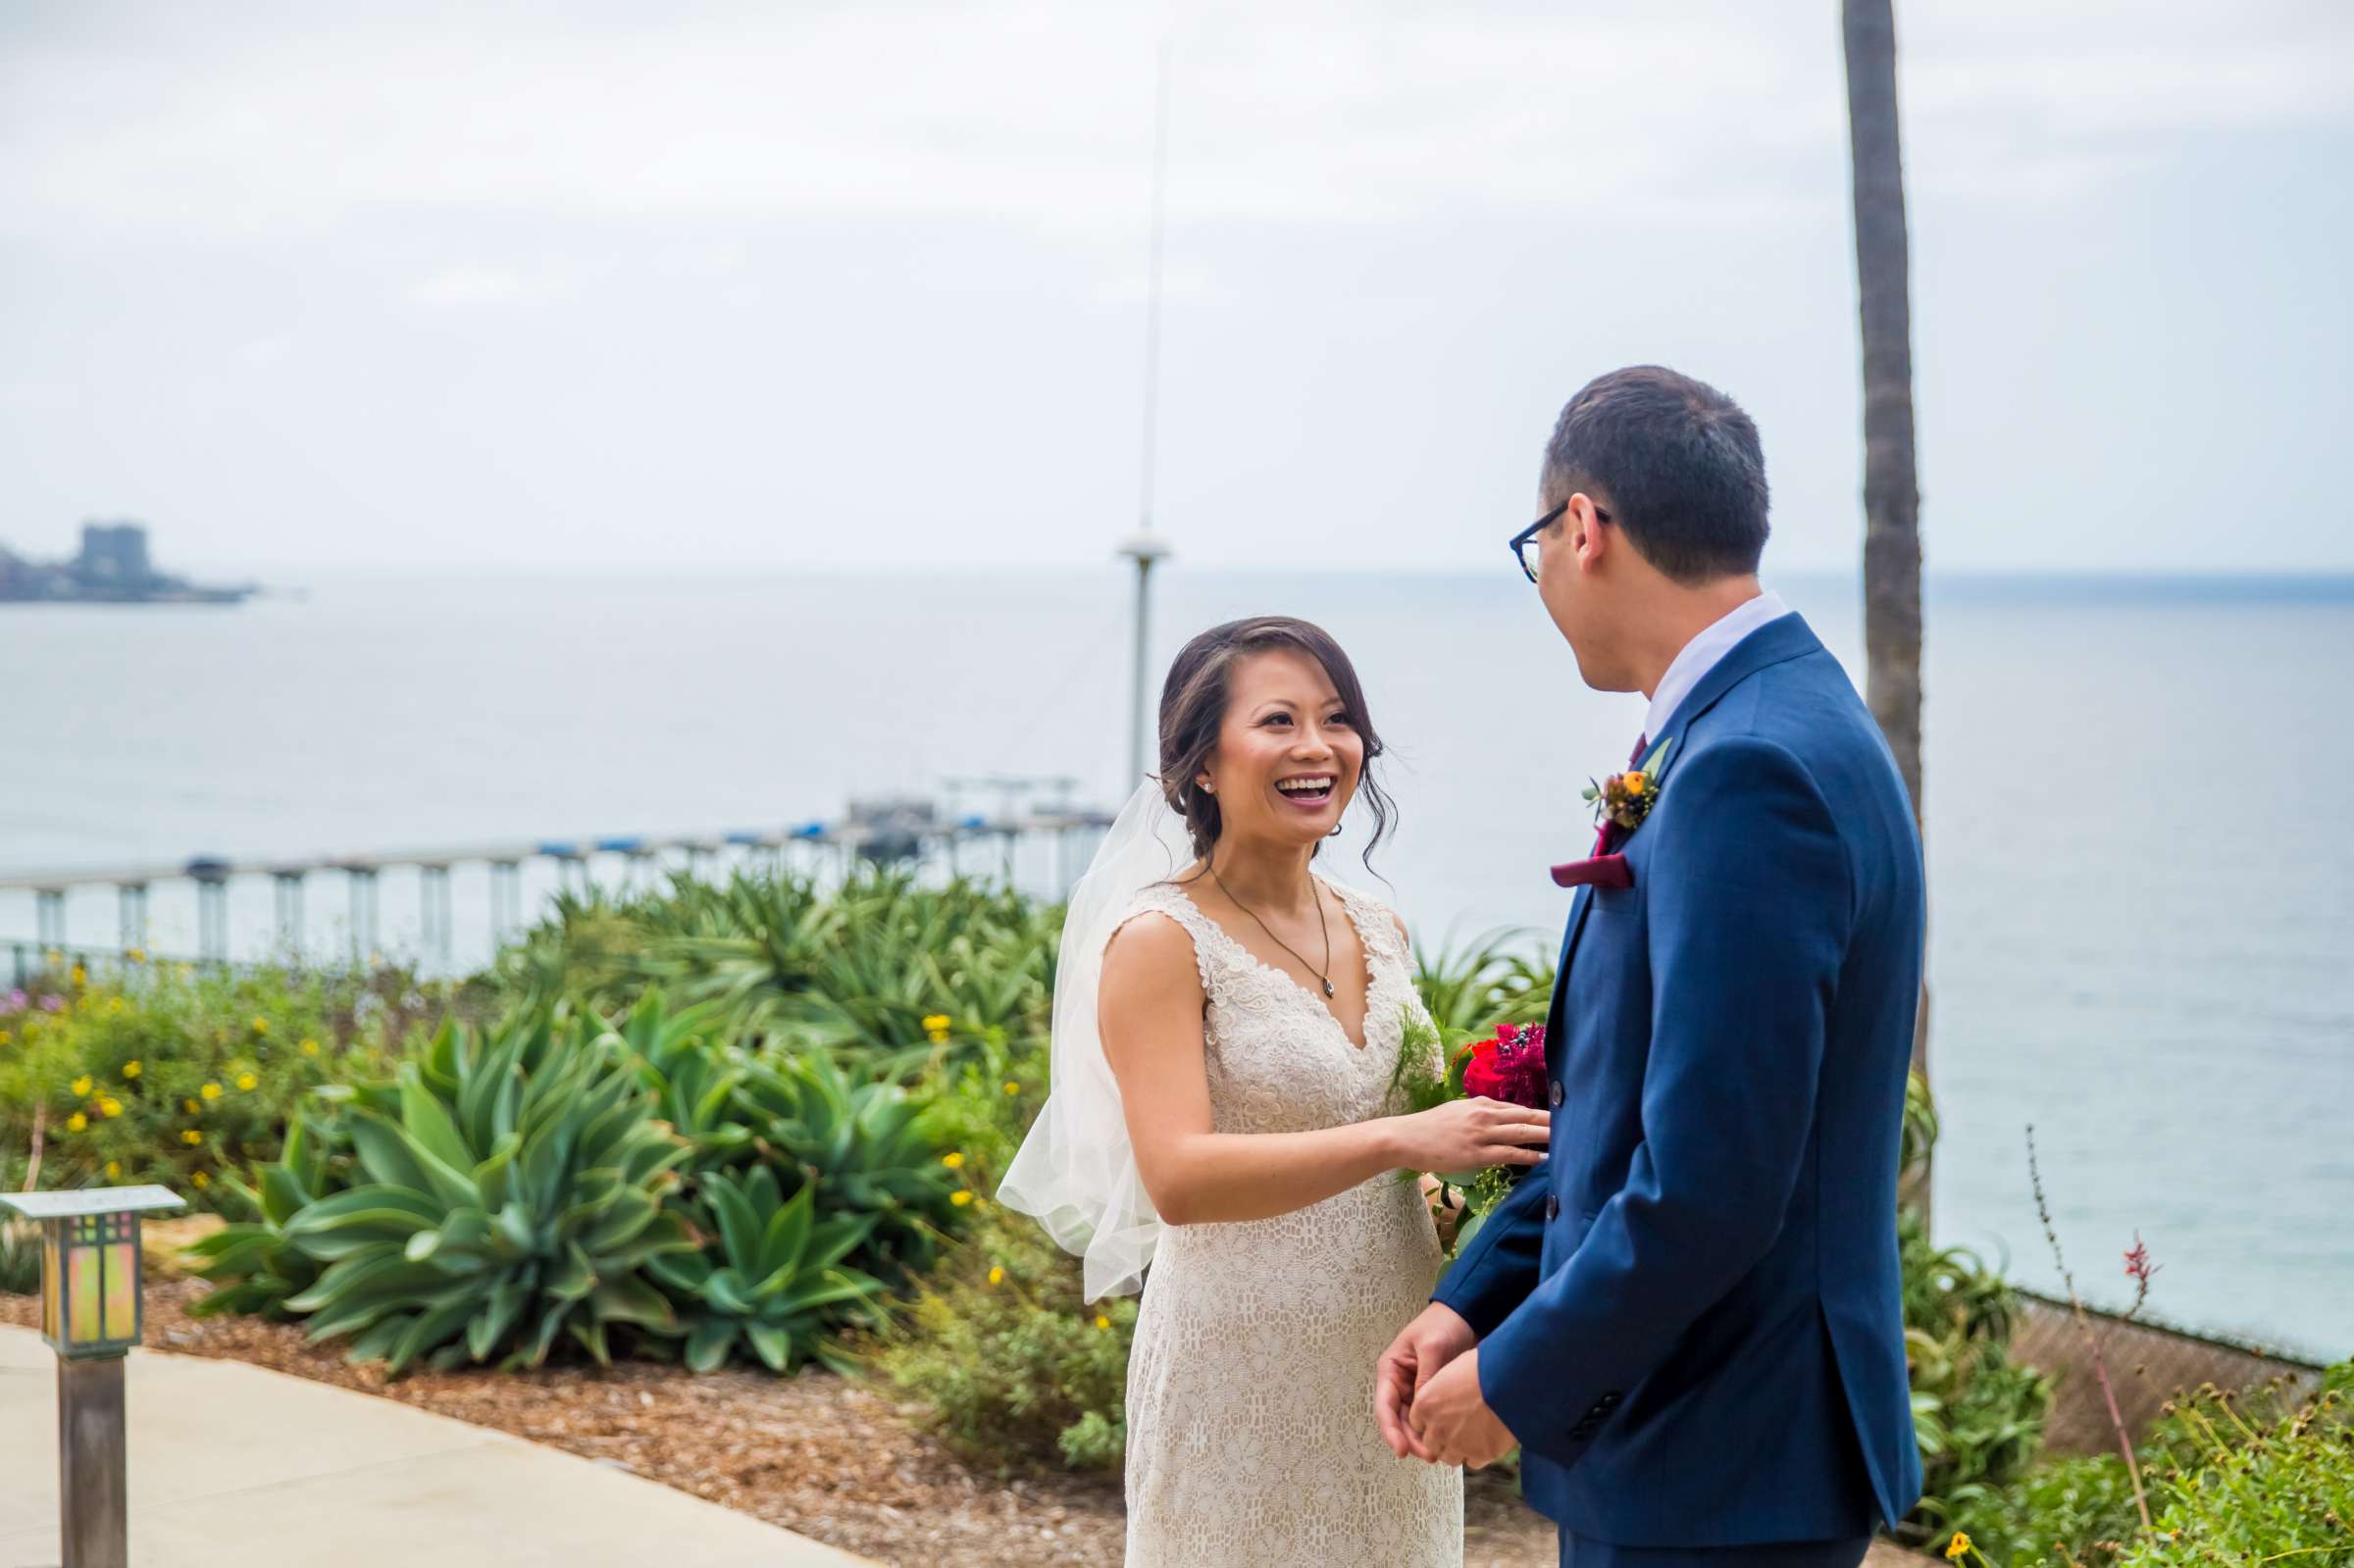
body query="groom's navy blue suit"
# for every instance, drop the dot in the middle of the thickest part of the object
(1689, 1315)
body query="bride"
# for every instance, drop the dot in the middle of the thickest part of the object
(1226, 1025)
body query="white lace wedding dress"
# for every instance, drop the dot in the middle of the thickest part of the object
(1251, 1430)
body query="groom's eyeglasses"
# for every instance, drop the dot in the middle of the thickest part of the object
(1524, 546)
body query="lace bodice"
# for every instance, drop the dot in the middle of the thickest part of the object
(1250, 1434)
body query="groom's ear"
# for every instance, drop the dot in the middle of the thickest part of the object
(1584, 532)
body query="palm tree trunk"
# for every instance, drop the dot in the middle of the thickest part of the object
(1891, 486)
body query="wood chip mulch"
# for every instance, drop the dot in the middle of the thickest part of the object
(837, 1459)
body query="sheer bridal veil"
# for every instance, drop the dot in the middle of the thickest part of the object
(1076, 1171)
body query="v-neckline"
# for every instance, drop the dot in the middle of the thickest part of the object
(1364, 947)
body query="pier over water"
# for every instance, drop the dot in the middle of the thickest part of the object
(469, 899)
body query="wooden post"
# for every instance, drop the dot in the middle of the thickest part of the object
(93, 1513)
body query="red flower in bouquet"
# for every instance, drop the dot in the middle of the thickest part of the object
(1510, 1066)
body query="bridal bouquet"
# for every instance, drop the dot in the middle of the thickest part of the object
(1507, 1065)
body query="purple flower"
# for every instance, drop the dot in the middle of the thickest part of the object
(52, 1002)
(16, 1001)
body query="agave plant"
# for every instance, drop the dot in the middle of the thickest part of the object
(253, 1262)
(863, 1148)
(513, 1192)
(688, 1062)
(777, 1283)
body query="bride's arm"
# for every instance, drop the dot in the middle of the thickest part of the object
(1149, 1014)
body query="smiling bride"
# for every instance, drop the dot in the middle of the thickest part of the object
(1226, 1023)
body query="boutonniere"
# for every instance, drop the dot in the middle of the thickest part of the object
(1620, 801)
(1626, 798)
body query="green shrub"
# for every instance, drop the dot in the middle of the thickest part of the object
(1979, 1416)
(1486, 982)
(863, 966)
(1012, 1366)
(2229, 1480)
(173, 1075)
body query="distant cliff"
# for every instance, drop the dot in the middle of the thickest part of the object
(113, 567)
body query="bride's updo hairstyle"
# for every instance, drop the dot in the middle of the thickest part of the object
(1193, 707)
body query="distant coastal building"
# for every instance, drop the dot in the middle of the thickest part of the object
(113, 567)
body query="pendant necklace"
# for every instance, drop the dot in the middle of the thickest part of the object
(1324, 975)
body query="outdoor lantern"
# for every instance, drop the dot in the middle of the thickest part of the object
(90, 1315)
(90, 1264)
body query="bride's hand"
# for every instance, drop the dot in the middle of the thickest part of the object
(1470, 1135)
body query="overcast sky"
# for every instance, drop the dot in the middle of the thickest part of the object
(706, 283)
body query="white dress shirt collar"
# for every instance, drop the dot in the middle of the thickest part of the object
(1700, 656)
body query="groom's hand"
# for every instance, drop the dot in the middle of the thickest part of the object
(1451, 1422)
(1435, 1338)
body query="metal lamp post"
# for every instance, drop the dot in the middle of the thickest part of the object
(92, 1316)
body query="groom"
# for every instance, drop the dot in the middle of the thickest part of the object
(1688, 1316)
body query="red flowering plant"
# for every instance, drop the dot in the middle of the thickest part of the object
(1433, 1070)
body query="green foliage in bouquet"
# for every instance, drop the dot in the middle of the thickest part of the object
(774, 1279)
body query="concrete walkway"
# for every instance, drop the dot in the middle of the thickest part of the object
(232, 1466)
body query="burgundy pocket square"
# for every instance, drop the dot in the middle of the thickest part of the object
(1603, 871)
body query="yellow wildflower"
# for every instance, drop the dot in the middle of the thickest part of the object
(261, 1025)
(954, 1160)
(200, 1179)
(4, 1036)
(114, 1006)
(80, 974)
(76, 1122)
(113, 1167)
(192, 1106)
(939, 1036)
(1013, 1088)
(310, 1048)
(131, 1070)
(110, 1106)
(996, 1274)
(192, 1135)
(960, 1198)
(1956, 1549)
(247, 1081)
(210, 1092)
(82, 1084)
(935, 1022)
(1102, 1322)
(137, 955)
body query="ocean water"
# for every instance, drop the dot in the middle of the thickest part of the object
(2141, 864)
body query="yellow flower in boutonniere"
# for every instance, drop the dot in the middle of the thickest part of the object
(1636, 783)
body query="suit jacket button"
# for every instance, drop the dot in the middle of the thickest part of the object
(1553, 1208)
(1554, 1093)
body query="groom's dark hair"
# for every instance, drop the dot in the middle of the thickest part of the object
(1674, 461)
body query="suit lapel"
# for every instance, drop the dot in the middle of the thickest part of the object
(1777, 641)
